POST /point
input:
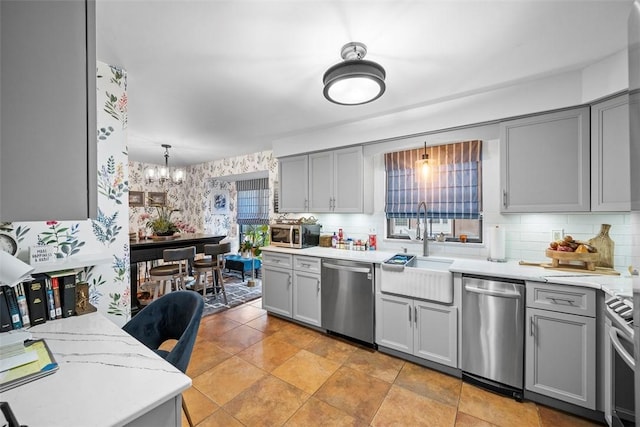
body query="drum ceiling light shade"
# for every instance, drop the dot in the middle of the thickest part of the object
(354, 81)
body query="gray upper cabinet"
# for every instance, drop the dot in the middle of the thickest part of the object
(327, 181)
(544, 165)
(336, 181)
(294, 184)
(48, 163)
(610, 174)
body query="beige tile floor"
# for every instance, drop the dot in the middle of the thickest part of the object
(253, 369)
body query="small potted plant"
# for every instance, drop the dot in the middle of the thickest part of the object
(258, 235)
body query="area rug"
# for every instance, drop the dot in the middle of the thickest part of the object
(237, 293)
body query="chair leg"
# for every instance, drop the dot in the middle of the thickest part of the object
(186, 412)
(221, 283)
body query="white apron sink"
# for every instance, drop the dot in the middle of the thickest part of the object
(428, 279)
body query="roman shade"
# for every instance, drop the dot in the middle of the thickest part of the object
(451, 190)
(253, 201)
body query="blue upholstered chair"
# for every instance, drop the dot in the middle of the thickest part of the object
(175, 315)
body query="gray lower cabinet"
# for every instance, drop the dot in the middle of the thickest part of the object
(48, 161)
(291, 286)
(416, 327)
(277, 283)
(544, 162)
(307, 301)
(560, 346)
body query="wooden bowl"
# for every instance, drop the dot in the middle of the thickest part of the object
(589, 259)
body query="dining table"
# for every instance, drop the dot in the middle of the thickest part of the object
(150, 249)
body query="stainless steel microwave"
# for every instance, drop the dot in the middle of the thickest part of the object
(295, 235)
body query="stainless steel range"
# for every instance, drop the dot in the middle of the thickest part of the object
(619, 362)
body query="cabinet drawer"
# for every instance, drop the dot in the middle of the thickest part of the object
(562, 298)
(277, 259)
(305, 263)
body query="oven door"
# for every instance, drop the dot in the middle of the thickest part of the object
(620, 363)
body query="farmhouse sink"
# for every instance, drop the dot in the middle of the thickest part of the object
(428, 279)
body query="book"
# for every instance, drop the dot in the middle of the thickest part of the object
(22, 305)
(68, 294)
(43, 366)
(5, 317)
(55, 285)
(12, 303)
(36, 299)
(51, 305)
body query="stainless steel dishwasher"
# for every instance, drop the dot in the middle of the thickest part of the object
(348, 299)
(493, 334)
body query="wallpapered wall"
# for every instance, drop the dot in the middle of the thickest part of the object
(193, 197)
(107, 234)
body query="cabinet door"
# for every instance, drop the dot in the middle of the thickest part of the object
(560, 356)
(610, 166)
(545, 163)
(321, 181)
(436, 333)
(294, 184)
(276, 291)
(306, 297)
(348, 181)
(394, 323)
(48, 163)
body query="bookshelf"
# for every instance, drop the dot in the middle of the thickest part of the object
(72, 263)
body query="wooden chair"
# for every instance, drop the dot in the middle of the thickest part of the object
(173, 273)
(214, 263)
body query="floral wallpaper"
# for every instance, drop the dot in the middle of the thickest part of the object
(193, 197)
(108, 283)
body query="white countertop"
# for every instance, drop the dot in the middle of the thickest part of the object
(106, 377)
(612, 285)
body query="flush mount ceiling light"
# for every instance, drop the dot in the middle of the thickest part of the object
(354, 81)
(162, 174)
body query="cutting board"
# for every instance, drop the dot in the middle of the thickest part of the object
(573, 268)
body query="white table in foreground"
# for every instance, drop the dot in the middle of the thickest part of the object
(106, 378)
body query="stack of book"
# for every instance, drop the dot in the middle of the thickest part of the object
(45, 297)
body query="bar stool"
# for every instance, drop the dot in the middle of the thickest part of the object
(174, 272)
(215, 263)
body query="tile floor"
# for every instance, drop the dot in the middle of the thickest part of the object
(252, 369)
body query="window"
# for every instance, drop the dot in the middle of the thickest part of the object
(253, 204)
(451, 190)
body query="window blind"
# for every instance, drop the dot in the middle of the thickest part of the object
(253, 201)
(452, 188)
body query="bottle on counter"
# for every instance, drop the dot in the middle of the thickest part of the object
(340, 234)
(349, 244)
(334, 240)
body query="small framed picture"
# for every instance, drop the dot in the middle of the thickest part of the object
(136, 198)
(220, 202)
(157, 199)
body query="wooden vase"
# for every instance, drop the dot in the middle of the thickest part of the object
(604, 245)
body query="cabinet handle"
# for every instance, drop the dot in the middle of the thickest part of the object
(415, 315)
(531, 324)
(409, 307)
(504, 198)
(554, 300)
(318, 284)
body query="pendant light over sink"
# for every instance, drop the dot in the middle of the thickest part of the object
(422, 165)
(354, 81)
(161, 174)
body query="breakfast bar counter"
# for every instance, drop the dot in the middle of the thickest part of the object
(105, 378)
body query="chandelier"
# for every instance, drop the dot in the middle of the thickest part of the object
(354, 81)
(162, 174)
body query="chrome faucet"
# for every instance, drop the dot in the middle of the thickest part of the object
(425, 241)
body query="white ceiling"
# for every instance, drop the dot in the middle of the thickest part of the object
(222, 78)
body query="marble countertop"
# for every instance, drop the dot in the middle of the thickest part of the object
(612, 285)
(105, 377)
